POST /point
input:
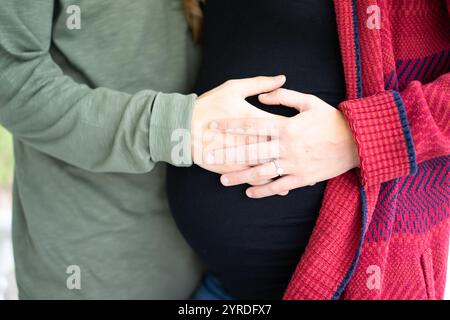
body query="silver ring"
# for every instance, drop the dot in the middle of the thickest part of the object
(279, 170)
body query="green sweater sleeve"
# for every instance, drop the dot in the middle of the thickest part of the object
(99, 130)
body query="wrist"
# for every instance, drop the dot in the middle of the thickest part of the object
(355, 155)
(197, 127)
(352, 145)
(170, 124)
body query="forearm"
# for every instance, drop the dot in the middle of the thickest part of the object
(95, 129)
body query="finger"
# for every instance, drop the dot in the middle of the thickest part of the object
(288, 98)
(217, 140)
(276, 187)
(257, 85)
(249, 154)
(263, 182)
(265, 171)
(269, 127)
(260, 182)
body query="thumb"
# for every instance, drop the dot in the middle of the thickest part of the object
(287, 98)
(254, 86)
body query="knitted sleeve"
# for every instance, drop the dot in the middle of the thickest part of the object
(395, 131)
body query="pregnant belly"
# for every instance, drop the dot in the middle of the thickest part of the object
(252, 246)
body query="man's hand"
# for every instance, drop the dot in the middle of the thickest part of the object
(314, 146)
(227, 102)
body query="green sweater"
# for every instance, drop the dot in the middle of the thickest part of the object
(82, 96)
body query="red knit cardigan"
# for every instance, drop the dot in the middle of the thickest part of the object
(383, 230)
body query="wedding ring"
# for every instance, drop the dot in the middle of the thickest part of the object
(278, 169)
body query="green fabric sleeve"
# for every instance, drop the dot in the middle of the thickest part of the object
(99, 130)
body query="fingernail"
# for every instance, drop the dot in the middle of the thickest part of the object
(225, 181)
(210, 158)
(281, 77)
(249, 193)
(213, 125)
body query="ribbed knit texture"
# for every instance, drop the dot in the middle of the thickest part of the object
(383, 230)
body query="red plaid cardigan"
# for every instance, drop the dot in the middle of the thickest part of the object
(383, 230)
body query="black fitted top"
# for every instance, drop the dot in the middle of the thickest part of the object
(253, 246)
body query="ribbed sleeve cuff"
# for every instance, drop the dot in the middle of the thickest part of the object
(170, 128)
(383, 137)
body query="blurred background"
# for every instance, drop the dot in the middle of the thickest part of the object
(7, 281)
(8, 288)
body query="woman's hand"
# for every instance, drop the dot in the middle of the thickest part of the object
(314, 146)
